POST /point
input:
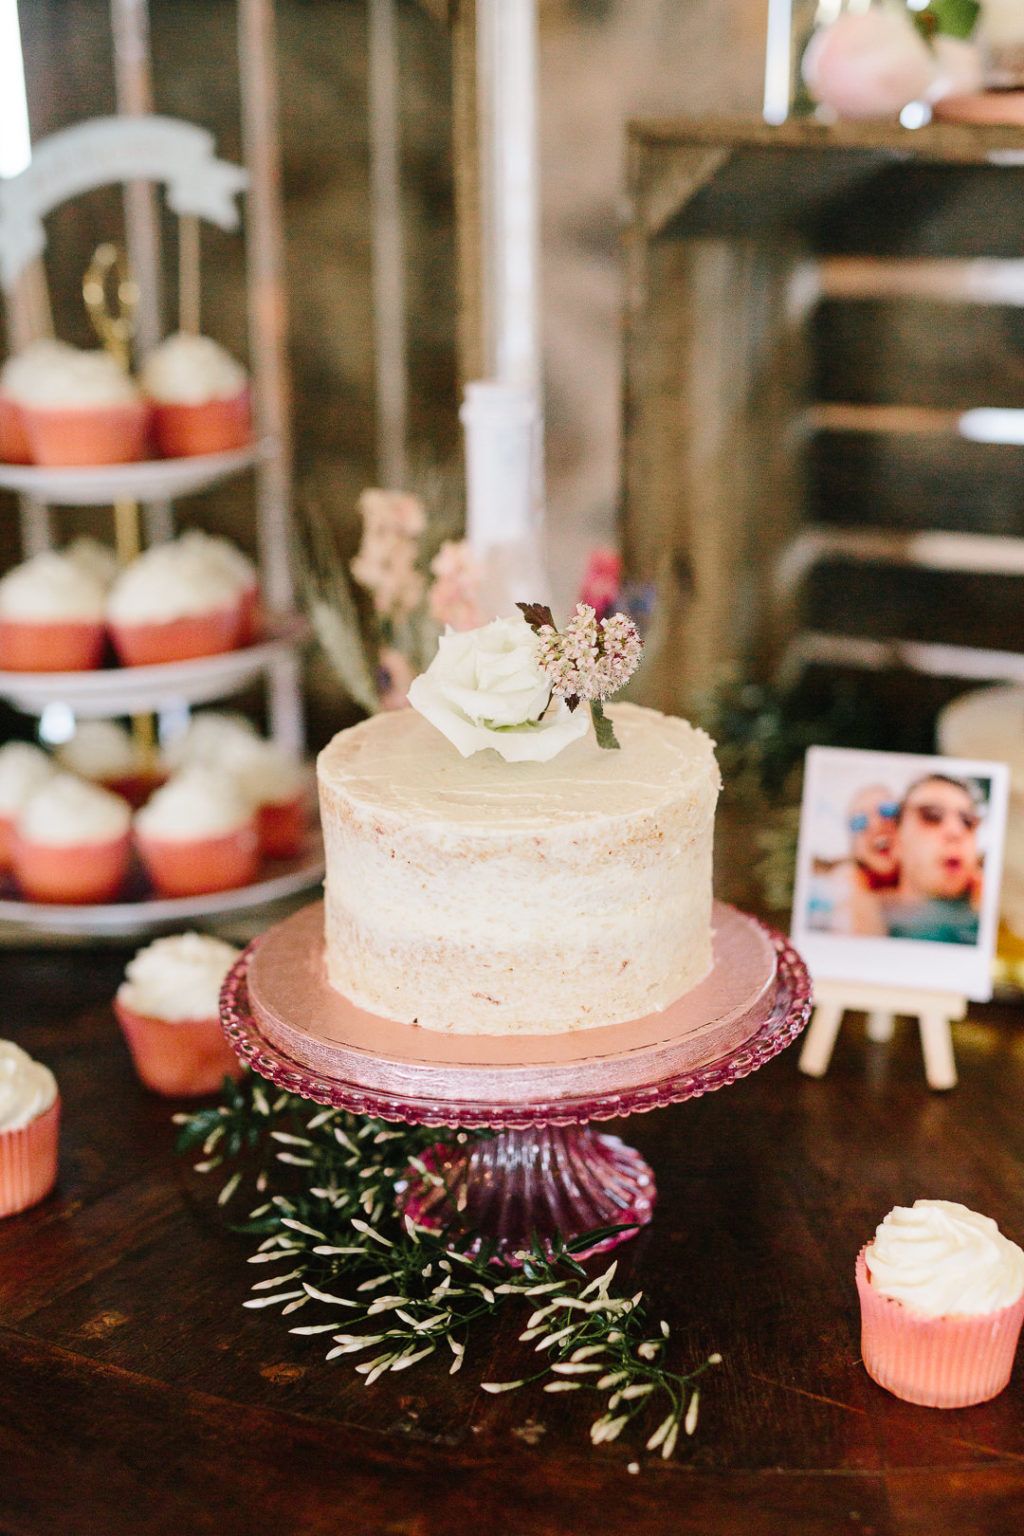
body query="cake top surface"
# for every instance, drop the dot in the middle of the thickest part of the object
(398, 764)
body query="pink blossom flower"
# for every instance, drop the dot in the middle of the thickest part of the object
(454, 596)
(869, 63)
(588, 660)
(392, 512)
(602, 580)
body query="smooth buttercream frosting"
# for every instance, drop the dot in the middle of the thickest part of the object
(940, 1258)
(60, 377)
(170, 582)
(477, 895)
(208, 734)
(100, 749)
(52, 588)
(197, 802)
(188, 370)
(178, 978)
(23, 769)
(27, 1088)
(68, 810)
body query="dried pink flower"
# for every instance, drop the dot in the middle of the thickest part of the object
(454, 597)
(392, 512)
(588, 660)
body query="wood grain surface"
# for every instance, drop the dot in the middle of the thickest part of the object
(136, 1395)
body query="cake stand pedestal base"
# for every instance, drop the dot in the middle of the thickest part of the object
(529, 1183)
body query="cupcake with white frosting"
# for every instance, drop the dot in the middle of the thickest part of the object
(173, 603)
(199, 395)
(16, 376)
(105, 753)
(79, 408)
(942, 1301)
(278, 787)
(29, 1126)
(51, 616)
(238, 568)
(24, 769)
(208, 734)
(197, 834)
(168, 1007)
(71, 843)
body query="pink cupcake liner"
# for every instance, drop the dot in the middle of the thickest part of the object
(75, 646)
(179, 1059)
(200, 865)
(281, 828)
(28, 1161)
(201, 634)
(78, 874)
(87, 435)
(14, 445)
(213, 426)
(937, 1362)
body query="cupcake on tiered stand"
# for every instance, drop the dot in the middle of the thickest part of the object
(71, 843)
(52, 615)
(197, 834)
(24, 769)
(75, 408)
(199, 397)
(176, 601)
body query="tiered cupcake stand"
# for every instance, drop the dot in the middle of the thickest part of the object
(146, 153)
(546, 1169)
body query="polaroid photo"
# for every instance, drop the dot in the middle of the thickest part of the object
(898, 869)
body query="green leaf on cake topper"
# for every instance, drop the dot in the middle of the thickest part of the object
(952, 18)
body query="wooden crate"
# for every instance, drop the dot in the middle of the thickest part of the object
(811, 313)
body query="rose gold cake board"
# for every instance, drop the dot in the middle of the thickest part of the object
(285, 1019)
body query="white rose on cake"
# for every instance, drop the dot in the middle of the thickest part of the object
(484, 688)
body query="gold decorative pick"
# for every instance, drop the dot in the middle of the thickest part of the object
(115, 327)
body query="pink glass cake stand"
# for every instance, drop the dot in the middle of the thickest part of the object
(546, 1169)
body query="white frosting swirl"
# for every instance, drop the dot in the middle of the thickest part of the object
(100, 749)
(57, 377)
(197, 802)
(206, 737)
(52, 588)
(170, 581)
(38, 359)
(23, 769)
(188, 370)
(178, 978)
(222, 554)
(941, 1258)
(67, 810)
(27, 1088)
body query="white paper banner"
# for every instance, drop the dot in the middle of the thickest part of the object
(108, 149)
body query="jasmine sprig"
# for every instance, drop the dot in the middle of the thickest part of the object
(389, 1293)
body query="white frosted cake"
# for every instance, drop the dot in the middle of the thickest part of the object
(480, 896)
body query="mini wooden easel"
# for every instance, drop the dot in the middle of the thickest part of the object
(934, 1011)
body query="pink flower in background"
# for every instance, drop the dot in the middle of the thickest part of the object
(394, 674)
(386, 562)
(392, 513)
(454, 596)
(869, 63)
(602, 580)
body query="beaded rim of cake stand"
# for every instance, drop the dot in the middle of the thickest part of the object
(788, 1015)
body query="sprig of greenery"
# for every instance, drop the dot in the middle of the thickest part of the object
(393, 1292)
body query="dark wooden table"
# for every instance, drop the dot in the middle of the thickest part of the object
(137, 1396)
